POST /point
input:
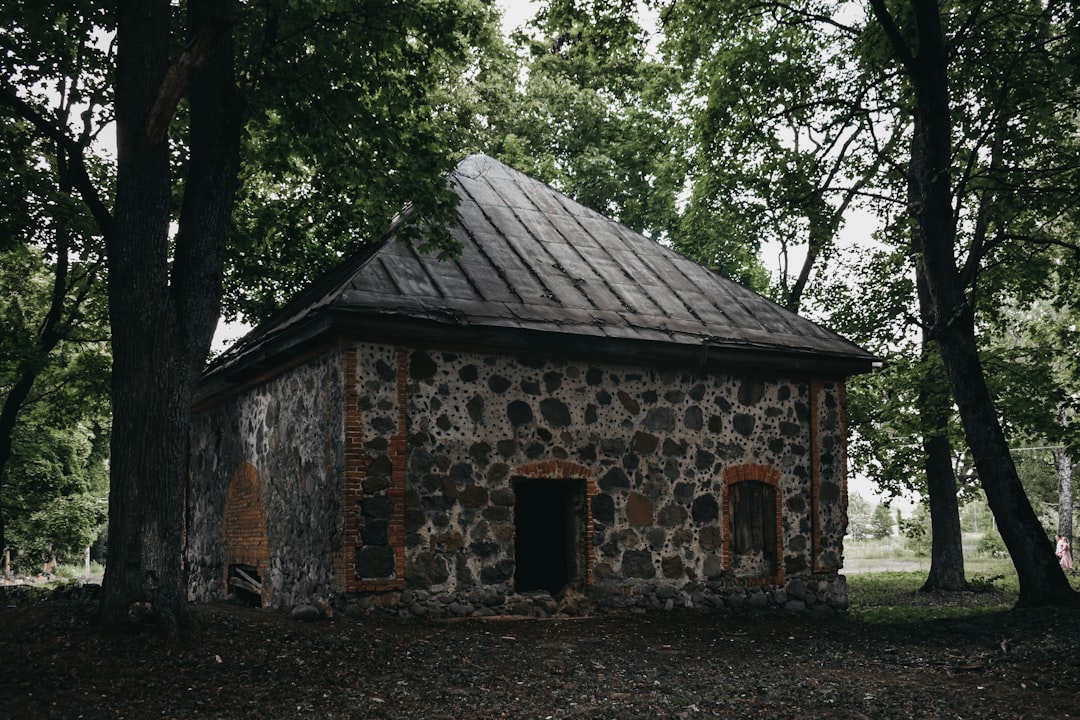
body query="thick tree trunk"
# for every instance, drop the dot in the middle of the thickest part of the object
(952, 323)
(951, 319)
(163, 314)
(935, 407)
(946, 549)
(143, 573)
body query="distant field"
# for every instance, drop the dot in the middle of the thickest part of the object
(893, 555)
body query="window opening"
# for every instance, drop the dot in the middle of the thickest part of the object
(753, 523)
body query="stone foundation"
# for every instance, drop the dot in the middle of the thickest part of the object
(824, 596)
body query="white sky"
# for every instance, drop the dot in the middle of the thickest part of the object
(516, 13)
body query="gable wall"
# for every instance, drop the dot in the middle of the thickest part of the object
(655, 449)
(285, 434)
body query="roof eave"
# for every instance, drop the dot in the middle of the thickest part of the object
(326, 327)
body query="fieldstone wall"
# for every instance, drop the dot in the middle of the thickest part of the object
(286, 431)
(649, 448)
(390, 480)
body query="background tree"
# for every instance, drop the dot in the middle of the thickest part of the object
(51, 291)
(786, 136)
(881, 522)
(859, 517)
(993, 52)
(58, 488)
(591, 112)
(926, 59)
(793, 131)
(1036, 385)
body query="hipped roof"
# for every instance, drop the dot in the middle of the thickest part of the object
(539, 272)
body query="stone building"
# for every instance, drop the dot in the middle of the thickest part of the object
(568, 416)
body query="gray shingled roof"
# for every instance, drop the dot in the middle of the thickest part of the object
(540, 271)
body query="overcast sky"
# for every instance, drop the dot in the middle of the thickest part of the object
(515, 13)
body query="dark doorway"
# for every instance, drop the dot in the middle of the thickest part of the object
(548, 523)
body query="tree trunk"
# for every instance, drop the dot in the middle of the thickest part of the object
(951, 319)
(952, 323)
(935, 407)
(1064, 465)
(946, 549)
(163, 313)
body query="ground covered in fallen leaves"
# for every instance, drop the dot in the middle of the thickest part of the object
(247, 663)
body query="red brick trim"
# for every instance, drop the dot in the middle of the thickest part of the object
(356, 462)
(244, 538)
(817, 396)
(841, 398)
(556, 469)
(356, 470)
(563, 470)
(763, 474)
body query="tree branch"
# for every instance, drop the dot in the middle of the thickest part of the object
(176, 80)
(892, 32)
(79, 176)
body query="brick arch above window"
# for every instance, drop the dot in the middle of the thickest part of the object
(769, 477)
(752, 471)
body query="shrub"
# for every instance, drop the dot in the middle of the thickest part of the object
(991, 544)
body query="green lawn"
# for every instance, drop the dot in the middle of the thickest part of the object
(891, 593)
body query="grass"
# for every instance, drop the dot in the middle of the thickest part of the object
(884, 577)
(894, 597)
(68, 571)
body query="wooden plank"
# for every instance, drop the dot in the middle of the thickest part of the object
(245, 576)
(241, 584)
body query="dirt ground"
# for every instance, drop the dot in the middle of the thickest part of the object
(247, 663)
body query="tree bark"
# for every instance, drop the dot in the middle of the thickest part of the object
(951, 320)
(935, 407)
(946, 549)
(162, 310)
(1064, 465)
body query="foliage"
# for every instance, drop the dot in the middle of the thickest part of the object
(858, 512)
(355, 111)
(54, 358)
(591, 112)
(881, 522)
(58, 482)
(785, 131)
